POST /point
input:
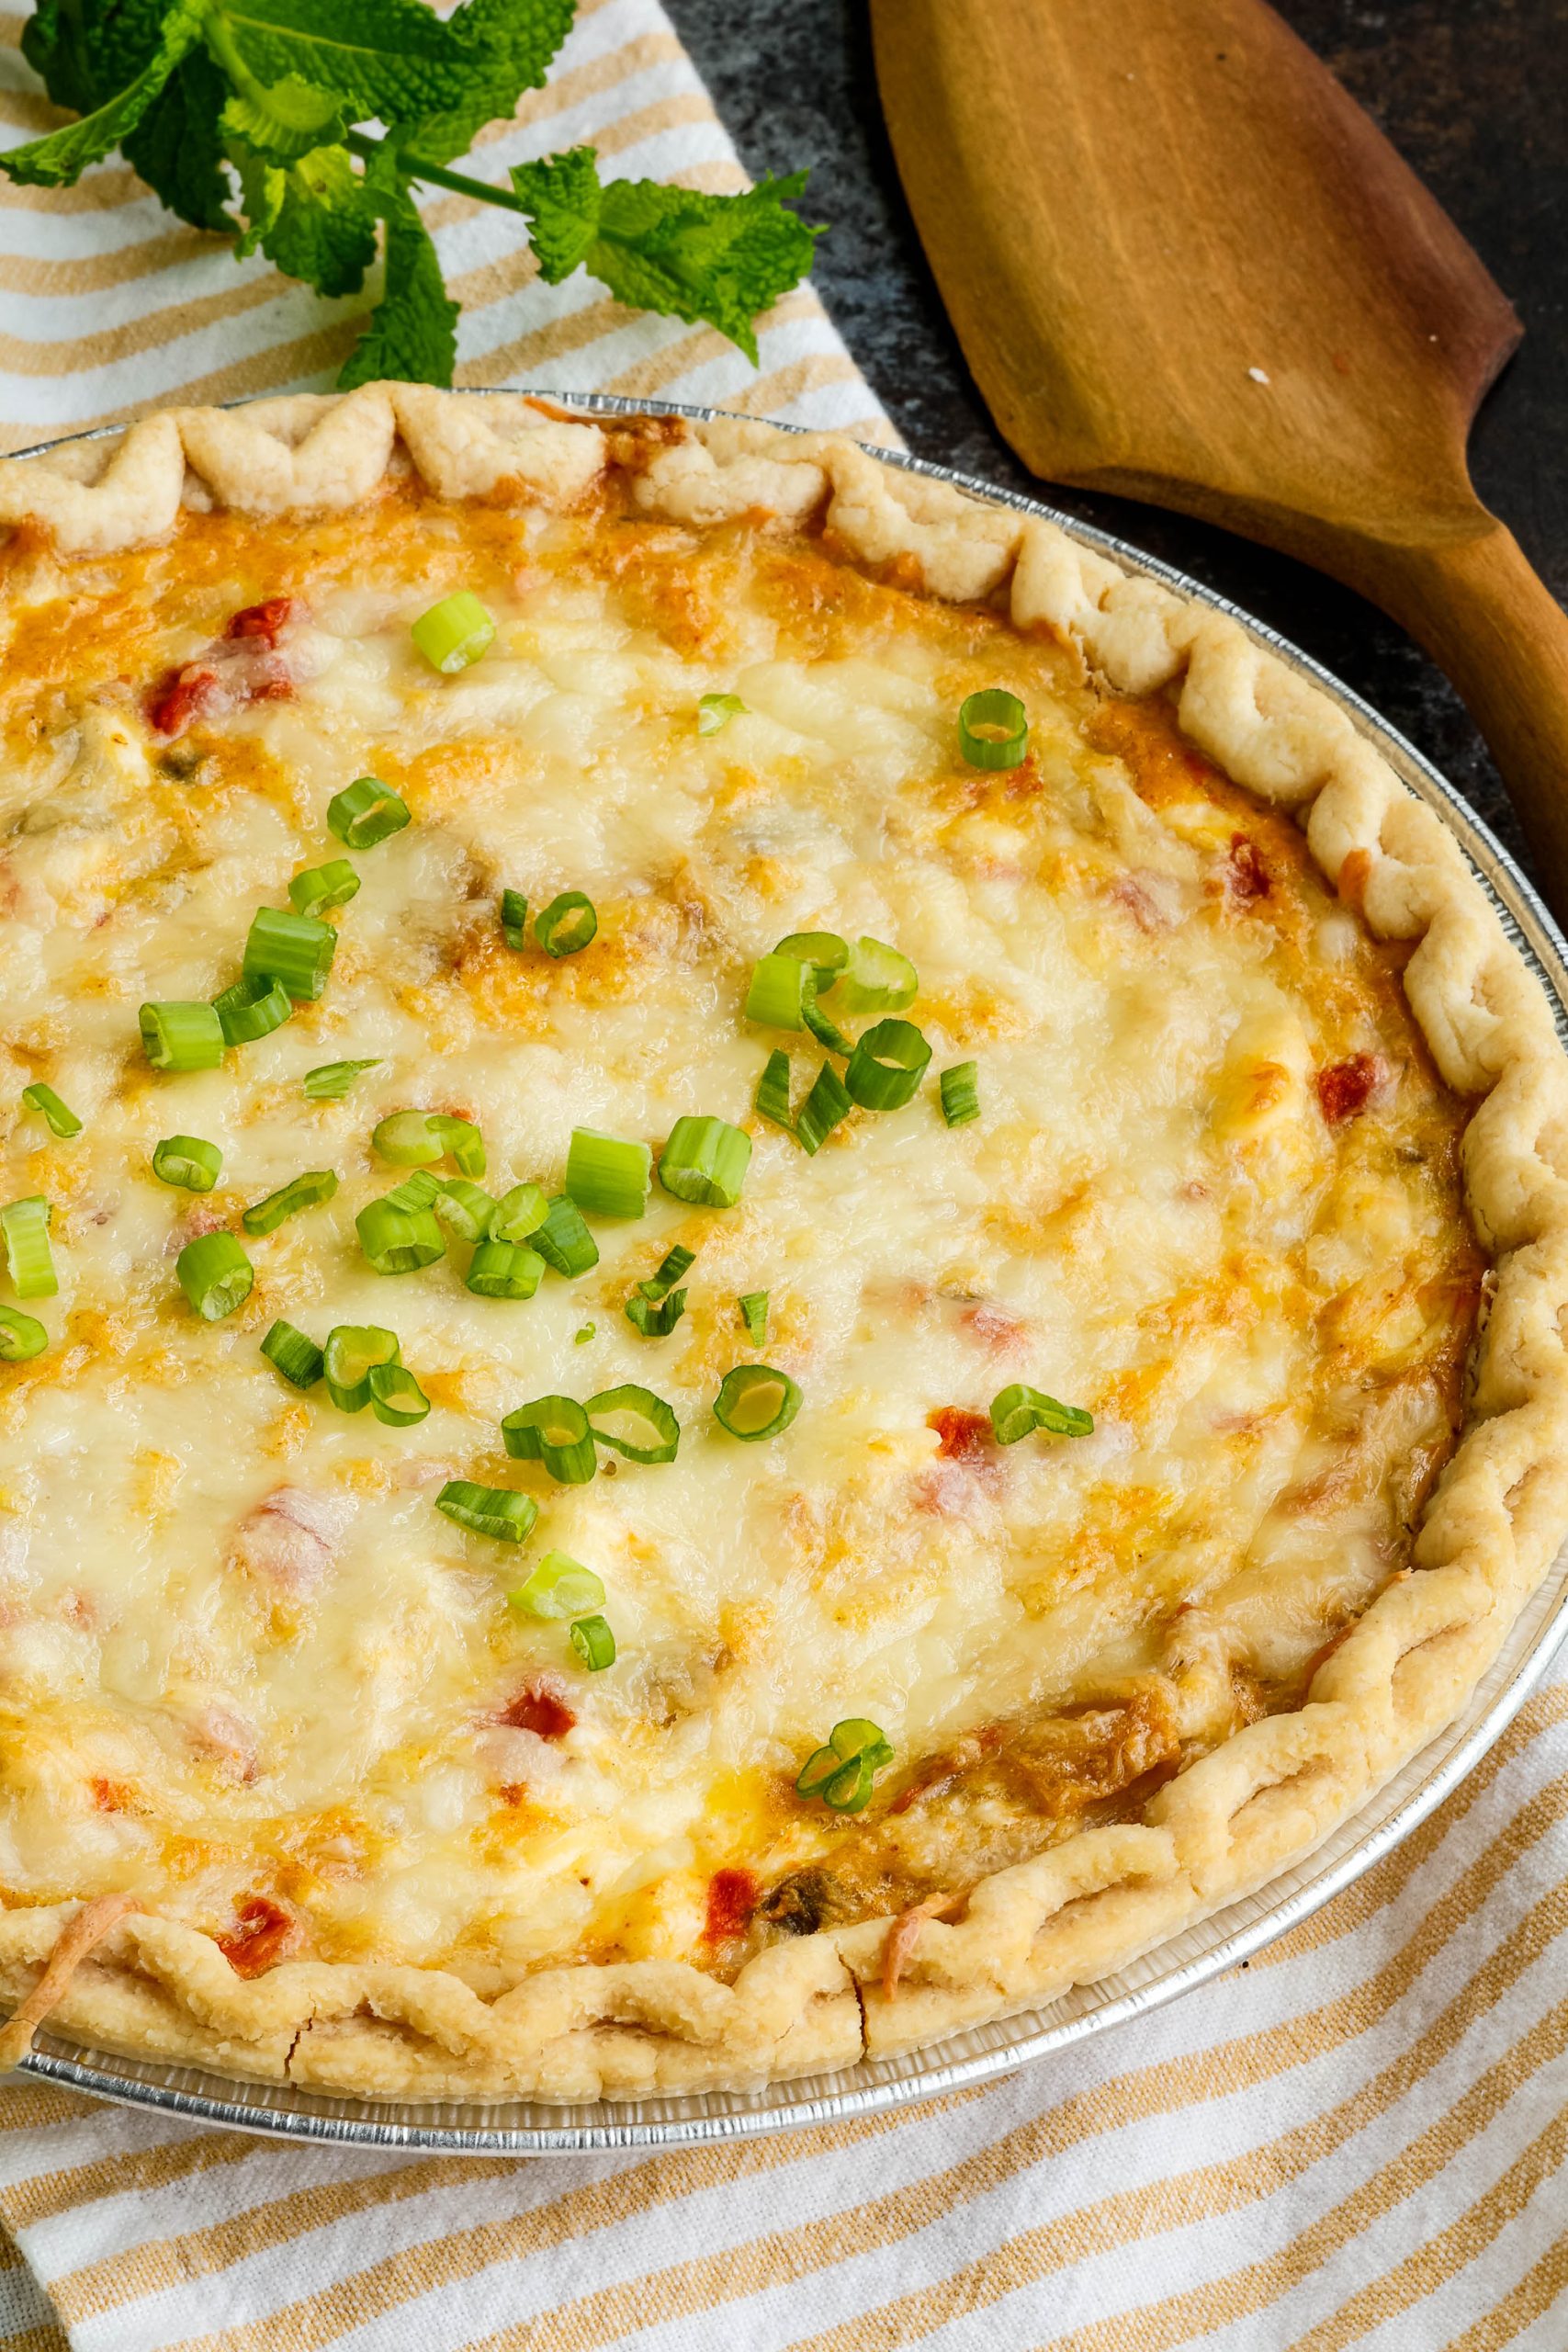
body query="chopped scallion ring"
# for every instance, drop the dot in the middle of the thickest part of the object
(554, 1431)
(329, 1081)
(504, 1270)
(454, 633)
(461, 1140)
(993, 729)
(1018, 1409)
(594, 1643)
(583, 1333)
(841, 1773)
(364, 813)
(960, 1094)
(294, 949)
(24, 1226)
(188, 1161)
(62, 1122)
(887, 1066)
(559, 1586)
(22, 1337)
(706, 1160)
(320, 886)
(520, 1212)
(215, 1275)
(566, 924)
(877, 979)
(827, 1033)
(306, 1192)
(514, 919)
(396, 1397)
(463, 1208)
(655, 1321)
(354, 1350)
(777, 994)
(825, 952)
(180, 1036)
(715, 711)
(822, 1110)
(252, 1009)
(298, 1358)
(754, 1314)
(635, 1422)
(563, 1240)
(668, 1273)
(500, 1512)
(407, 1140)
(607, 1175)
(399, 1241)
(773, 1092)
(755, 1401)
(419, 1190)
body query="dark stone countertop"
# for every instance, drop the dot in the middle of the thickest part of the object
(1473, 94)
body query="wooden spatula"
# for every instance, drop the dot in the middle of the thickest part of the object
(1184, 265)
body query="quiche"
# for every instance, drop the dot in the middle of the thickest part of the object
(777, 1265)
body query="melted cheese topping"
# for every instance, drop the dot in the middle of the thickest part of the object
(1213, 1195)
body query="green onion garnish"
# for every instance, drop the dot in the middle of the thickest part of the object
(636, 1422)
(62, 1122)
(180, 1036)
(514, 919)
(463, 1208)
(754, 1314)
(608, 1176)
(406, 1138)
(662, 1280)
(215, 1275)
(504, 1270)
(706, 1160)
(298, 1359)
(582, 1334)
(566, 924)
(454, 633)
(1018, 1409)
(461, 1140)
(559, 1586)
(843, 1772)
(295, 949)
(305, 1192)
(500, 1512)
(28, 1257)
(252, 1009)
(655, 1321)
(332, 885)
(419, 1190)
(354, 1350)
(188, 1161)
(22, 1337)
(773, 1092)
(554, 1431)
(329, 1081)
(715, 711)
(362, 814)
(823, 1108)
(877, 979)
(563, 1240)
(826, 1032)
(887, 1066)
(825, 952)
(993, 729)
(396, 1397)
(777, 992)
(520, 1212)
(960, 1094)
(594, 1643)
(397, 1241)
(756, 1401)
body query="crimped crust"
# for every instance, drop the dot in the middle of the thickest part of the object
(1227, 1823)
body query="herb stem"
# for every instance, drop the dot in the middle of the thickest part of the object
(435, 174)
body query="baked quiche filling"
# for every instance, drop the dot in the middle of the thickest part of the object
(1058, 1372)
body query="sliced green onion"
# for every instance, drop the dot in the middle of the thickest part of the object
(329, 1081)
(520, 1212)
(28, 1257)
(827, 1033)
(777, 994)
(608, 1176)
(960, 1094)
(655, 1321)
(841, 1773)
(877, 979)
(454, 633)
(636, 1422)
(993, 729)
(364, 813)
(252, 1009)
(514, 919)
(298, 1358)
(500, 1512)
(715, 711)
(465, 1209)
(354, 1350)
(566, 924)
(396, 1397)
(887, 1065)
(461, 1140)
(215, 1274)
(583, 1333)
(825, 952)
(662, 1280)
(320, 886)
(756, 1401)
(399, 1241)
(563, 1240)
(773, 1092)
(407, 1140)
(754, 1314)
(306, 1192)
(419, 1190)
(706, 1160)
(823, 1108)
(180, 1036)
(554, 1431)
(594, 1643)
(559, 1586)
(295, 949)
(188, 1161)
(1018, 1409)
(22, 1337)
(62, 1122)
(504, 1270)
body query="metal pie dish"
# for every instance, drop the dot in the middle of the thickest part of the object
(981, 2053)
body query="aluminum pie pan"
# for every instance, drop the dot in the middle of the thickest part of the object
(981, 2053)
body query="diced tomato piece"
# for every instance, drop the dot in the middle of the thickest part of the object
(1344, 1088)
(1247, 876)
(262, 1933)
(539, 1710)
(262, 620)
(177, 698)
(732, 1898)
(965, 1436)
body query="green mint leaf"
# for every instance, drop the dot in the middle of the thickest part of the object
(313, 217)
(175, 147)
(85, 51)
(59, 160)
(674, 250)
(412, 335)
(285, 120)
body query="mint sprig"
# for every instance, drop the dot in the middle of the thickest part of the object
(247, 116)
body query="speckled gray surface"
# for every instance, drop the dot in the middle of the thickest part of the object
(1475, 94)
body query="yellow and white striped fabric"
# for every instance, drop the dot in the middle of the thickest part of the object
(1361, 2139)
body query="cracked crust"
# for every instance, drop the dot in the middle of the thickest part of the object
(1236, 1817)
